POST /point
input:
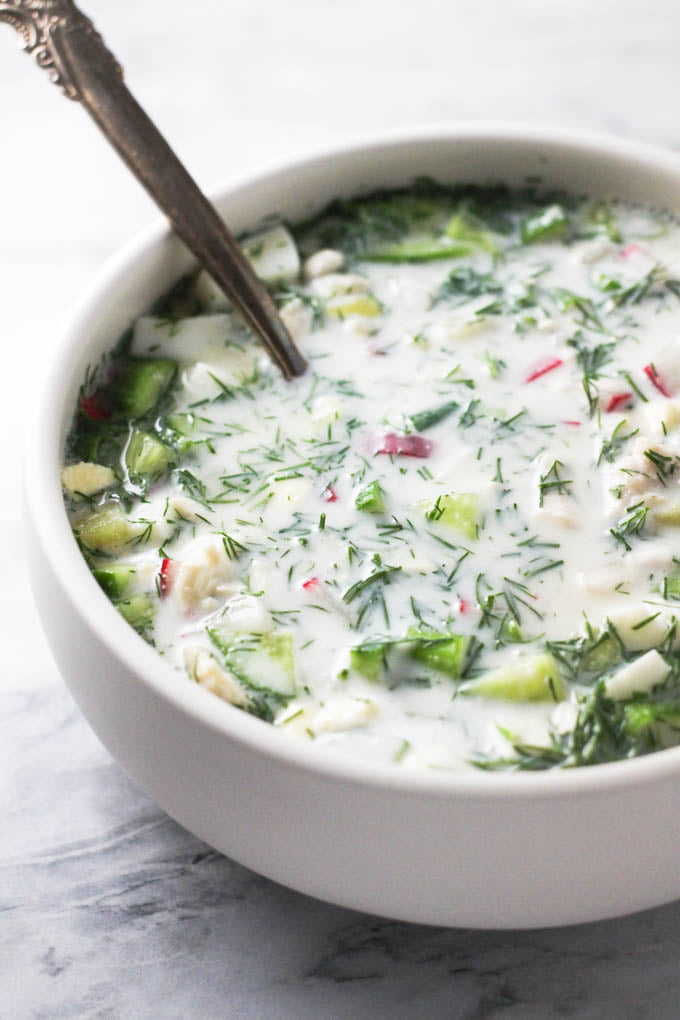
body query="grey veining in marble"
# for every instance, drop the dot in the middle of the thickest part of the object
(107, 908)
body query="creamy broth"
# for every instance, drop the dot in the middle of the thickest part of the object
(451, 543)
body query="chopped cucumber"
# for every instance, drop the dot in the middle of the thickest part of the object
(273, 254)
(370, 499)
(545, 225)
(671, 586)
(368, 660)
(422, 420)
(602, 220)
(425, 249)
(459, 511)
(138, 610)
(147, 455)
(142, 383)
(533, 678)
(467, 228)
(354, 304)
(107, 530)
(115, 579)
(264, 662)
(440, 650)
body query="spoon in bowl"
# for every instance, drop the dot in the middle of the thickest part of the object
(66, 44)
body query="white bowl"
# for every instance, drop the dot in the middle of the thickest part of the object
(489, 850)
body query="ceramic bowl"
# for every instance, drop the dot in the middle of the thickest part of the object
(470, 849)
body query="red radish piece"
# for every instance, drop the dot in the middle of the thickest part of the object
(619, 400)
(460, 606)
(91, 407)
(567, 422)
(405, 446)
(311, 584)
(651, 374)
(547, 365)
(165, 576)
(329, 494)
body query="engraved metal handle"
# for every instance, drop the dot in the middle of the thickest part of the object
(66, 44)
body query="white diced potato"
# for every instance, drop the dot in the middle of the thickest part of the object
(86, 479)
(638, 677)
(183, 340)
(207, 379)
(273, 254)
(323, 262)
(339, 284)
(344, 713)
(641, 627)
(209, 295)
(204, 668)
(245, 612)
(661, 416)
(297, 317)
(326, 410)
(203, 576)
(557, 509)
(461, 326)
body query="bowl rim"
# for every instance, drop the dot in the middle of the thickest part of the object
(44, 502)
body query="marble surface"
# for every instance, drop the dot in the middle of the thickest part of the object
(107, 907)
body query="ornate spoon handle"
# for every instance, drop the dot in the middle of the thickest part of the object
(66, 44)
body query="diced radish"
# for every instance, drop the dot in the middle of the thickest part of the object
(460, 606)
(329, 494)
(91, 407)
(547, 365)
(567, 422)
(405, 446)
(653, 377)
(618, 400)
(631, 251)
(165, 576)
(311, 584)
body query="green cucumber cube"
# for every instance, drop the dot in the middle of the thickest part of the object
(440, 650)
(367, 660)
(138, 610)
(532, 678)
(458, 511)
(264, 662)
(370, 499)
(545, 225)
(106, 530)
(115, 579)
(142, 383)
(147, 455)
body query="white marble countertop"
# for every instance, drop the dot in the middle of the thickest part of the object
(109, 909)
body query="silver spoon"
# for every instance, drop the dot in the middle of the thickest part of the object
(66, 44)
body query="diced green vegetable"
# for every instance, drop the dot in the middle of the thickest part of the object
(147, 455)
(106, 530)
(671, 586)
(459, 511)
(138, 610)
(467, 228)
(354, 304)
(264, 662)
(603, 221)
(421, 250)
(370, 499)
(422, 420)
(545, 225)
(532, 678)
(141, 384)
(114, 579)
(368, 660)
(440, 650)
